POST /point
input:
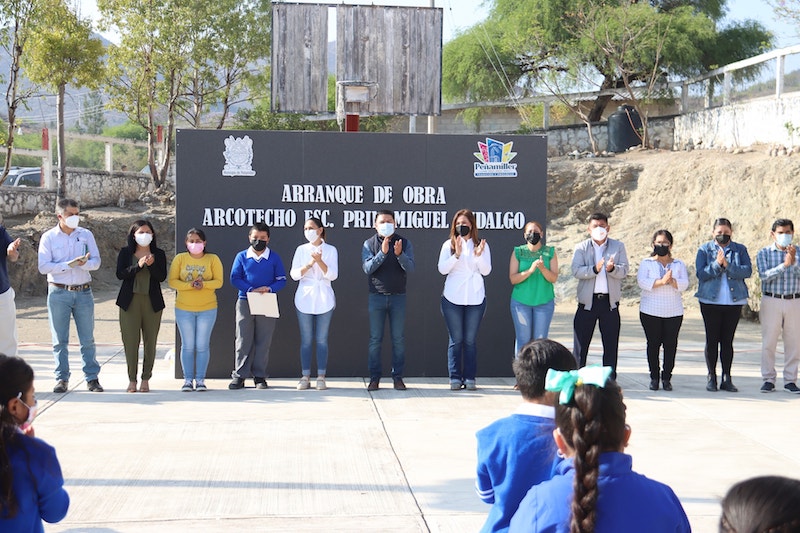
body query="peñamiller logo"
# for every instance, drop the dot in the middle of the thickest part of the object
(495, 160)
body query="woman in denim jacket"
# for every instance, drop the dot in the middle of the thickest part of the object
(722, 266)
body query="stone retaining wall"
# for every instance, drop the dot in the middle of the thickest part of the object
(91, 188)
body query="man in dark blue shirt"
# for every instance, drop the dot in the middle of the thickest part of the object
(9, 249)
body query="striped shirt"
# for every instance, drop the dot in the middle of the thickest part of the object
(775, 277)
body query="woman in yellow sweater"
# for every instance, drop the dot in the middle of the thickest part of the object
(195, 274)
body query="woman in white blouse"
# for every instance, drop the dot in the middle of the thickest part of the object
(315, 265)
(464, 259)
(662, 279)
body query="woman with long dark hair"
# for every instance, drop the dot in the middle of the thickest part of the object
(31, 484)
(722, 266)
(465, 259)
(591, 434)
(142, 266)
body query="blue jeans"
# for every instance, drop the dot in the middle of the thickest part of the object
(308, 336)
(195, 329)
(381, 306)
(531, 322)
(462, 323)
(61, 304)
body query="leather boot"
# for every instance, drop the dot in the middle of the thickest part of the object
(727, 384)
(711, 386)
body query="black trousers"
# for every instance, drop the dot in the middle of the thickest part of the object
(583, 328)
(720, 322)
(661, 332)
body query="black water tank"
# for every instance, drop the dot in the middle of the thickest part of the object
(622, 129)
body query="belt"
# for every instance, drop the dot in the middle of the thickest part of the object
(84, 287)
(782, 296)
(601, 295)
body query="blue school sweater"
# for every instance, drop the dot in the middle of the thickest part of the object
(248, 273)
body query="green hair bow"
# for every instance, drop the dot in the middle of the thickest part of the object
(566, 381)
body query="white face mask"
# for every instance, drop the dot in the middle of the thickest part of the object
(32, 409)
(599, 233)
(311, 235)
(385, 229)
(72, 221)
(143, 239)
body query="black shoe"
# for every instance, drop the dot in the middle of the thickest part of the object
(61, 386)
(727, 385)
(711, 386)
(94, 385)
(666, 385)
(374, 383)
(768, 387)
(236, 383)
(398, 384)
(792, 388)
(653, 384)
(261, 383)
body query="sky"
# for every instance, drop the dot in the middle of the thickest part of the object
(461, 14)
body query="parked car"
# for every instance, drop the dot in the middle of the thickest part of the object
(24, 177)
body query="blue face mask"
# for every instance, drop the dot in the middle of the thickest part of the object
(783, 239)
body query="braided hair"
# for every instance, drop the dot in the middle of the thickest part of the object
(765, 504)
(16, 376)
(593, 422)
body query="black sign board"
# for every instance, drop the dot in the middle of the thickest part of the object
(227, 180)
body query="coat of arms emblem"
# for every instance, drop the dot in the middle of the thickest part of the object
(238, 156)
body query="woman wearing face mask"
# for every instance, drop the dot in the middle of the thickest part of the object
(195, 275)
(722, 266)
(662, 280)
(141, 266)
(31, 484)
(464, 259)
(315, 265)
(533, 269)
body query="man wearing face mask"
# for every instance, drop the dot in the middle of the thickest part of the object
(256, 269)
(599, 264)
(67, 255)
(387, 258)
(780, 306)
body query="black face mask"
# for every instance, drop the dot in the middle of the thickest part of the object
(463, 230)
(661, 249)
(722, 239)
(258, 246)
(533, 238)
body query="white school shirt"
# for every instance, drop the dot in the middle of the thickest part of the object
(464, 282)
(314, 294)
(601, 281)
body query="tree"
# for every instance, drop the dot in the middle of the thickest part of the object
(17, 20)
(64, 54)
(231, 51)
(92, 119)
(146, 69)
(524, 41)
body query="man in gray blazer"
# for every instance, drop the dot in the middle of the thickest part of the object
(599, 264)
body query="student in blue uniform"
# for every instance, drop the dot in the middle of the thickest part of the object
(595, 488)
(31, 484)
(517, 452)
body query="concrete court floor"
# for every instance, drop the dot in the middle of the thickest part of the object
(349, 460)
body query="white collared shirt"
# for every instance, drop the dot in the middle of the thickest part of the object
(464, 282)
(314, 294)
(601, 281)
(56, 249)
(252, 254)
(536, 409)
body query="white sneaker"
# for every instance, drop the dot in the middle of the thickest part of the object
(305, 383)
(321, 385)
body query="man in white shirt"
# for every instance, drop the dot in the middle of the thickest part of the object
(67, 255)
(600, 264)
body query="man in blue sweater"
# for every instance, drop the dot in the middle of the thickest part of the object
(256, 269)
(386, 259)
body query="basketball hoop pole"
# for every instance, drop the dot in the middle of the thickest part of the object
(351, 122)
